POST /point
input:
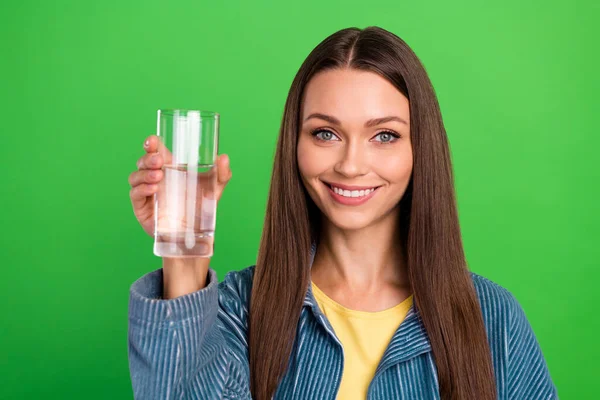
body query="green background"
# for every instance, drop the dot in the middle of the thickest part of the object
(81, 81)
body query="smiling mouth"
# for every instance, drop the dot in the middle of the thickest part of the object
(351, 193)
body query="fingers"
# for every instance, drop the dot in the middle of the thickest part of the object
(144, 182)
(223, 169)
(154, 144)
(145, 176)
(140, 193)
(150, 161)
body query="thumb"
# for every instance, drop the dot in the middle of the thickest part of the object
(223, 169)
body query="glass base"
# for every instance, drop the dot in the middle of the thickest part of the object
(182, 244)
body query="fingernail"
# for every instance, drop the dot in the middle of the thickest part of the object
(146, 143)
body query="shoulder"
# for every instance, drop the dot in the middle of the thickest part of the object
(493, 297)
(513, 343)
(236, 287)
(500, 308)
(238, 280)
(504, 317)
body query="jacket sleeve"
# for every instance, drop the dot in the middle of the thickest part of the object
(190, 347)
(528, 374)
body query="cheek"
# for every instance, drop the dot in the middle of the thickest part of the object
(395, 169)
(310, 163)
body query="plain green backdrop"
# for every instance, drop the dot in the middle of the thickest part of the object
(81, 82)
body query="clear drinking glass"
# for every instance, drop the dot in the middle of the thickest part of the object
(185, 205)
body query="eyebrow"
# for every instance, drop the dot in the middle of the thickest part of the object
(368, 124)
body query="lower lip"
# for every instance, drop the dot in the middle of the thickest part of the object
(350, 201)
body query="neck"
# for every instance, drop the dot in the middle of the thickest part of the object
(360, 261)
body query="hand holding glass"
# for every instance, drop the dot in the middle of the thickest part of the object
(186, 200)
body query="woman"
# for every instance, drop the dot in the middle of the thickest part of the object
(361, 288)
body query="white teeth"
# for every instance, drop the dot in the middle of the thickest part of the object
(353, 193)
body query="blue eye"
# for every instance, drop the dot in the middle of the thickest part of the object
(387, 137)
(323, 134)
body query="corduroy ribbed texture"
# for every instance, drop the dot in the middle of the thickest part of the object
(195, 347)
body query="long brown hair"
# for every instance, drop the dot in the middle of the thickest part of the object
(444, 294)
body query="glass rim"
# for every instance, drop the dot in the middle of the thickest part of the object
(203, 113)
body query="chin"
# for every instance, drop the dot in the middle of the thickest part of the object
(349, 222)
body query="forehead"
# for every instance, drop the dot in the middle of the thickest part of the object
(353, 95)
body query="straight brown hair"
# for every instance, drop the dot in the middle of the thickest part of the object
(443, 290)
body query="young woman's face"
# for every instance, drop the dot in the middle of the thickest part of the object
(339, 150)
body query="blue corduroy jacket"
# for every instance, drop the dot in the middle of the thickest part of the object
(195, 347)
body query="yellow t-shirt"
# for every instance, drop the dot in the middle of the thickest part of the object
(364, 336)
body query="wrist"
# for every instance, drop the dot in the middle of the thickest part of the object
(184, 275)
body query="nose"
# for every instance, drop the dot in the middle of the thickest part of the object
(353, 161)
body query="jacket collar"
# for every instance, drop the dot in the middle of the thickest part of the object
(409, 340)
